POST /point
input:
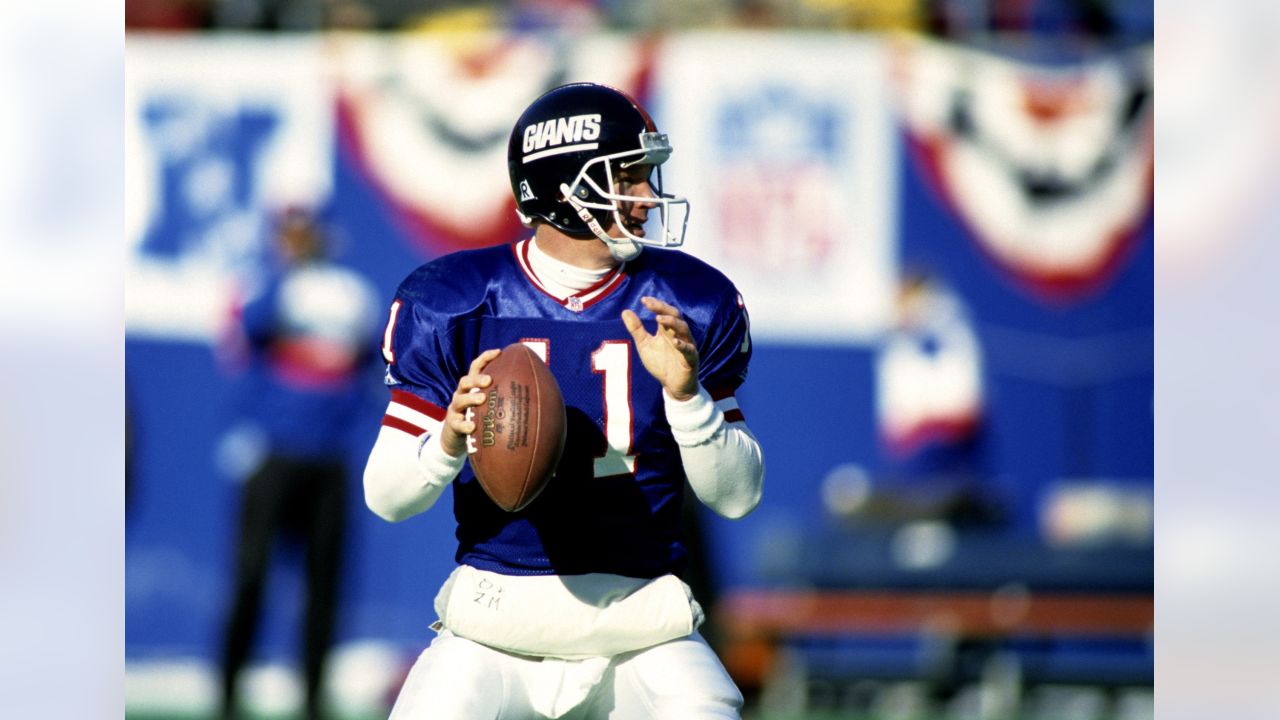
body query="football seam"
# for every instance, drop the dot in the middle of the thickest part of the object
(535, 423)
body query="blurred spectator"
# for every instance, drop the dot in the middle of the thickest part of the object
(955, 19)
(310, 339)
(1048, 20)
(568, 15)
(167, 14)
(929, 405)
(301, 15)
(452, 18)
(350, 15)
(929, 371)
(758, 14)
(863, 15)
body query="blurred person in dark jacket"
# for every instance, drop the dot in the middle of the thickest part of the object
(309, 339)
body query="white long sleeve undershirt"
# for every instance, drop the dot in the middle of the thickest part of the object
(405, 475)
(722, 459)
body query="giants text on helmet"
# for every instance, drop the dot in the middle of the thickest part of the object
(558, 131)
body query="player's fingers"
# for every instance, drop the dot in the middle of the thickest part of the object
(462, 425)
(687, 350)
(466, 399)
(475, 377)
(481, 360)
(634, 326)
(679, 327)
(659, 307)
(473, 382)
(462, 406)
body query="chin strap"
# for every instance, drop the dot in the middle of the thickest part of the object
(622, 249)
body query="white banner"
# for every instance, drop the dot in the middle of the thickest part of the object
(786, 149)
(218, 133)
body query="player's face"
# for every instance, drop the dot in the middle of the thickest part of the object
(299, 240)
(636, 182)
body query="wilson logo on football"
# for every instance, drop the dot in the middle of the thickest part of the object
(549, 137)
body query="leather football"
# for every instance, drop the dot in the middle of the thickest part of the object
(520, 428)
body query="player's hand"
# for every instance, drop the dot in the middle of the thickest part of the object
(669, 354)
(453, 435)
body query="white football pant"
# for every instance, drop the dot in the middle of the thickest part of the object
(457, 679)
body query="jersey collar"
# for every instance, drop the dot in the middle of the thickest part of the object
(578, 301)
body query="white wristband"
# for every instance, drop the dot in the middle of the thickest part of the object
(693, 421)
(436, 463)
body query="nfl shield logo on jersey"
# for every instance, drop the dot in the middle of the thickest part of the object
(574, 304)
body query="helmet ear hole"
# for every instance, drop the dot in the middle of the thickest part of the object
(580, 191)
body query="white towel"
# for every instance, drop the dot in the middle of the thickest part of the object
(569, 617)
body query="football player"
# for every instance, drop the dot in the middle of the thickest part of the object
(573, 606)
(307, 342)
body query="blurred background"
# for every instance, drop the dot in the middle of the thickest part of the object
(939, 213)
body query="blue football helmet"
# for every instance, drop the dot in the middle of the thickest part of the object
(563, 157)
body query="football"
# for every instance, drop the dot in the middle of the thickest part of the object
(520, 429)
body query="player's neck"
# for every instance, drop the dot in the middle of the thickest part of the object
(588, 253)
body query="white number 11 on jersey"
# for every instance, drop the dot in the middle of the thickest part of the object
(612, 361)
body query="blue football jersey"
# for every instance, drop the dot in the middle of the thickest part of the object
(308, 340)
(614, 503)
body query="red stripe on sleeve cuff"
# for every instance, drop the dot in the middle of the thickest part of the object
(410, 400)
(722, 392)
(404, 425)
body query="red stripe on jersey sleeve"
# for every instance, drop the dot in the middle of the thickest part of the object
(403, 425)
(734, 415)
(410, 400)
(722, 392)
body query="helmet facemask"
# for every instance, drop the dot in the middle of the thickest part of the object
(592, 202)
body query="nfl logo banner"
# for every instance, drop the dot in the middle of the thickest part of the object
(790, 168)
(218, 135)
